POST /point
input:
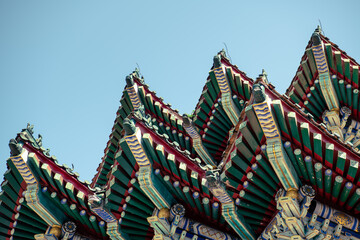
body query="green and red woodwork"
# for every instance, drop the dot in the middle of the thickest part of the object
(249, 163)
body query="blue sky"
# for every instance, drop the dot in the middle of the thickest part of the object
(63, 63)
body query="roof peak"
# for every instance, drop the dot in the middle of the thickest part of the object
(135, 74)
(318, 29)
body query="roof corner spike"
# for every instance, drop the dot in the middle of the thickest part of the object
(197, 142)
(264, 77)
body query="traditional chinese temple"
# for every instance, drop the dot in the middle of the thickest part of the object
(249, 163)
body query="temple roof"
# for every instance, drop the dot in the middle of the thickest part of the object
(305, 89)
(156, 158)
(58, 186)
(209, 116)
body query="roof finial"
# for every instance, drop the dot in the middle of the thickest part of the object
(319, 28)
(138, 74)
(222, 52)
(227, 55)
(137, 71)
(264, 76)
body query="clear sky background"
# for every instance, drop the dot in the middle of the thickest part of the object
(63, 63)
